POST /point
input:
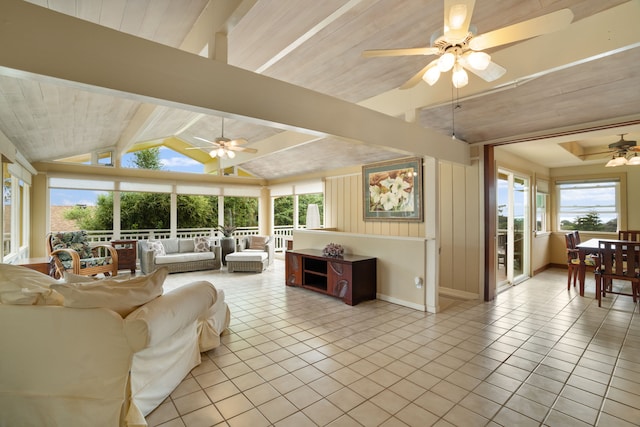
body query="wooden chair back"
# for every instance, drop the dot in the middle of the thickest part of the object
(619, 260)
(630, 235)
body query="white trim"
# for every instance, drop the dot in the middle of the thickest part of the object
(455, 293)
(401, 302)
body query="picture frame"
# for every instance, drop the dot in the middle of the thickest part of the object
(392, 191)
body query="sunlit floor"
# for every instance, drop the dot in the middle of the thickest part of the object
(537, 355)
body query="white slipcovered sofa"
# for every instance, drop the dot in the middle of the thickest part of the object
(103, 353)
(179, 255)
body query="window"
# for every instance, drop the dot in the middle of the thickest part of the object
(542, 206)
(588, 205)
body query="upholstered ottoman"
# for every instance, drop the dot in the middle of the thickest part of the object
(253, 261)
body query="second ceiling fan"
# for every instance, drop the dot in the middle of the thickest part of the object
(225, 147)
(458, 47)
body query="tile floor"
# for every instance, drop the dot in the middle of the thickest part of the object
(537, 355)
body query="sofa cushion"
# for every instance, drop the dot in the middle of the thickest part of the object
(170, 246)
(120, 296)
(201, 244)
(24, 286)
(190, 257)
(156, 246)
(248, 255)
(186, 245)
(258, 242)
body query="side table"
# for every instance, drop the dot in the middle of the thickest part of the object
(127, 254)
(44, 265)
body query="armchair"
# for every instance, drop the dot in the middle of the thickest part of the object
(258, 244)
(71, 252)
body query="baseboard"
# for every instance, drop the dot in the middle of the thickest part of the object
(403, 303)
(455, 293)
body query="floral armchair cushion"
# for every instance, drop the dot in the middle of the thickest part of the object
(79, 242)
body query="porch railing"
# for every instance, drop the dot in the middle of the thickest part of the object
(281, 234)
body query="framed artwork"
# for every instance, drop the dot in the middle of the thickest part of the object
(393, 190)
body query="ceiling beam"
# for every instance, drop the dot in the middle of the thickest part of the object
(58, 48)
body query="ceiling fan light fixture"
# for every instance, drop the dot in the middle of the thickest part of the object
(432, 75)
(478, 60)
(446, 61)
(460, 78)
(616, 161)
(231, 154)
(221, 152)
(634, 161)
(213, 153)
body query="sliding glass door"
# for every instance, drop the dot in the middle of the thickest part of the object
(512, 239)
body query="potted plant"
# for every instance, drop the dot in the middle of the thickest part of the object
(227, 243)
(226, 230)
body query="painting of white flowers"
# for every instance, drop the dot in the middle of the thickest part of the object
(393, 190)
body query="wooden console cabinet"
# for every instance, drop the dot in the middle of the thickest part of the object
(351, 278)
(127, 254)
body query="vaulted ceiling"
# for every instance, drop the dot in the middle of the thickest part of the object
(565, 95)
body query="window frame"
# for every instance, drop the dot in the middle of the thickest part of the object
(620, 198)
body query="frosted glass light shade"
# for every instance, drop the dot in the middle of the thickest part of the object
(478, 60)
(213, 153)
(634, 161)
(231, 154)
(446, 61)
(616, 161)
(459, 77)
(431, 76)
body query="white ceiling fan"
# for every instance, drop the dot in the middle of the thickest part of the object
(224, 147)
(459, 48)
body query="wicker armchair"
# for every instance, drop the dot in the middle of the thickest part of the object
(71, 252)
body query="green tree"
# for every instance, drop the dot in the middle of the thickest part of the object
(241, 211)
(589, 222)
(283, 211)
(147, 159)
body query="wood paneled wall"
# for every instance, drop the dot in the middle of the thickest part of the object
(460, 231)
(344, 211)
(460, 239)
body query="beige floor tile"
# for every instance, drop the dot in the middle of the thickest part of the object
(284, 364)
(303, 396)
(322, 412)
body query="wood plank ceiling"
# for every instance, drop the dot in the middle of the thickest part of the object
(318, 45)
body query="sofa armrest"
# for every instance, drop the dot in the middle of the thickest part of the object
(217, 251)
(147, 258)
(169, 313)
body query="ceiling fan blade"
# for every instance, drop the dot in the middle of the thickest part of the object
(237, 141)
(523, 30)
(416, 79)
(206, 140)
(489, 74)
(457, 18)
(243, 149)
(400, 52)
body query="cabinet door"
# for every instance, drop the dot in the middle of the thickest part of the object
(293, 269)
(339, 280)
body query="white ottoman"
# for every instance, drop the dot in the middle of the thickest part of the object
(252, 261)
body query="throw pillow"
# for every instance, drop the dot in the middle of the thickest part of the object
(258, 242)
(201, 244)
(24, 286)
(157, 247)
(123, 297)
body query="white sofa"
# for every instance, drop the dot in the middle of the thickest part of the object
(63, 365)
(179, 255)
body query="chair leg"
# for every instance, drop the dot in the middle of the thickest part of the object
(569, 274)
(599, 290)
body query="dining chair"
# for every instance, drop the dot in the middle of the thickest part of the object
(573, 257)
(619, 260)
(630, 235)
